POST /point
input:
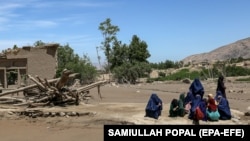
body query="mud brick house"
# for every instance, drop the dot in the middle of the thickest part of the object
(40, 61)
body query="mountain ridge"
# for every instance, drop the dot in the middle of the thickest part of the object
(239, 48)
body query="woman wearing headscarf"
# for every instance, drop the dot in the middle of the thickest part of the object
(212, 110)
(223, 106)
(221, 86)
(154, 106)
(197, 88)
(177, 107)
(198, 110)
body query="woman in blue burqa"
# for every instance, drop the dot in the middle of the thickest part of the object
(154, 106)
(197, 88)
(223, 106)
(198, 102)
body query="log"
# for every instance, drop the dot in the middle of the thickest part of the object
(18, 90)
(38, 83)
(52, 93)
(88, 87)
(33, 86)
(2, 99)
(64, 79)
(30, 102)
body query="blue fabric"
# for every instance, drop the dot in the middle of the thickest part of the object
(189, 97)
(223, 106)
(153, 109)
(198, 102)
(197, 88)
(203, 107)
(195, 103)
(213, 115)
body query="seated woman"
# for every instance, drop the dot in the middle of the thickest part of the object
(212, 110)
(198, 105)
(154, 107)
(223, 106)
(177, 107)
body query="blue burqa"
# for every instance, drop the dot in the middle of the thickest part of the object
(189, 97)
(197, 102)
(154, 106)
(223, 106)
(197, 88)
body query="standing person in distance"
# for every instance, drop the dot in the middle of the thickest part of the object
(221, 86)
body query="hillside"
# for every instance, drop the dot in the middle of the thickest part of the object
(240, 48)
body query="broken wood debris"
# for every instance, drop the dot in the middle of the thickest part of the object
(50, 92)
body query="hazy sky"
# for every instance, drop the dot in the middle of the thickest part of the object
(172, 29)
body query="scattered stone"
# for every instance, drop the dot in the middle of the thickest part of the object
(72, 114)
(53, 114)
(62, 114)
(248, 108)
(247, 114)
(235, 120)
(46, 114)
(187, 81)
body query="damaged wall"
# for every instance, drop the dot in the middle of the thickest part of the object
(40, 60)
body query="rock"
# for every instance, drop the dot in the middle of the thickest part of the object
(46, 114)
(248, 108)
(247, 113)
(62, 114)
(72, 114)
(10, 113)
(53, 114)
(235, 120)
(187, 81)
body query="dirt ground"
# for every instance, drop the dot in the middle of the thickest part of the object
(120, 104)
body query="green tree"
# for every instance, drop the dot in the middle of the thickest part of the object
(138, 50)
(109, 32)
(15, 47)
(39, 43)
(129, 62)
(82, 65)
(119, 55)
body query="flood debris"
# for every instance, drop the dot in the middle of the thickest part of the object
(50, 92)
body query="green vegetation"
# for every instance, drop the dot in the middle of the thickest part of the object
(166, 65)
(182, 74)
(129, 62)
(203, 74)
(67, 59)
(243, 79)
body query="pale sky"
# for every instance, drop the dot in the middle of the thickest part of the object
(172, 29)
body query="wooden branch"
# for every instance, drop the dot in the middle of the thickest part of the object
(10, 100)
(32, 105)
(38, 83)
(64, 79)
(35, 101)
(88, 87)
(18, 90)
(41, 82)
(33, 86)
(47, 83)
(96, 84)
